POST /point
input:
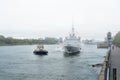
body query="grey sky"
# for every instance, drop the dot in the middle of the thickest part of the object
(53, 18)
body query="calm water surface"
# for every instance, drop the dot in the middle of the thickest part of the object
(19, 63)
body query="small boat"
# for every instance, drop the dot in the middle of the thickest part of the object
(40, 50)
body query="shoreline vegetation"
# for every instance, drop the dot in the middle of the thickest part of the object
(9, 41)
(116, 40)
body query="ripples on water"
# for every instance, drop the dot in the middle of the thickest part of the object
(19, 63)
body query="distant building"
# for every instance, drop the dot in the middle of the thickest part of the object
(102, 44)
(89, 42)
(107, 43)
(60, 40)
(109, 39)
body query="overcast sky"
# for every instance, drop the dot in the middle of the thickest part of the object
(53, 18)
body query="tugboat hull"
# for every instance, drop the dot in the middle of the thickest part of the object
(40, 52)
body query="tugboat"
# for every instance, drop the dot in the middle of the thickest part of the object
(40, 50)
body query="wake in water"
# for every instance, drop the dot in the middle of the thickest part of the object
(59, 48)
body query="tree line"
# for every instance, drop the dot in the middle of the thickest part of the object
(117, 39)
(14, 41)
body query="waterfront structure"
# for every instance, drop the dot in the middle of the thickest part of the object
(107, 42)
(89, 42)
(102, 44)
(109, 39)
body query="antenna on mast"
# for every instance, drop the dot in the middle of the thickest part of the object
(72, 22)
(73, 26)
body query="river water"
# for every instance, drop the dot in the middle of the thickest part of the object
(19, 63)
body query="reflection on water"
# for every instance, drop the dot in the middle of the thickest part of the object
(19, 63)
(71, 55)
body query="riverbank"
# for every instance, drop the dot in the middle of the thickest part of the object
(6, 41)
(115, 63)
(111, 66)
(102, 73)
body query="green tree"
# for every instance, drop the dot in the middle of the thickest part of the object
(117, 39)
